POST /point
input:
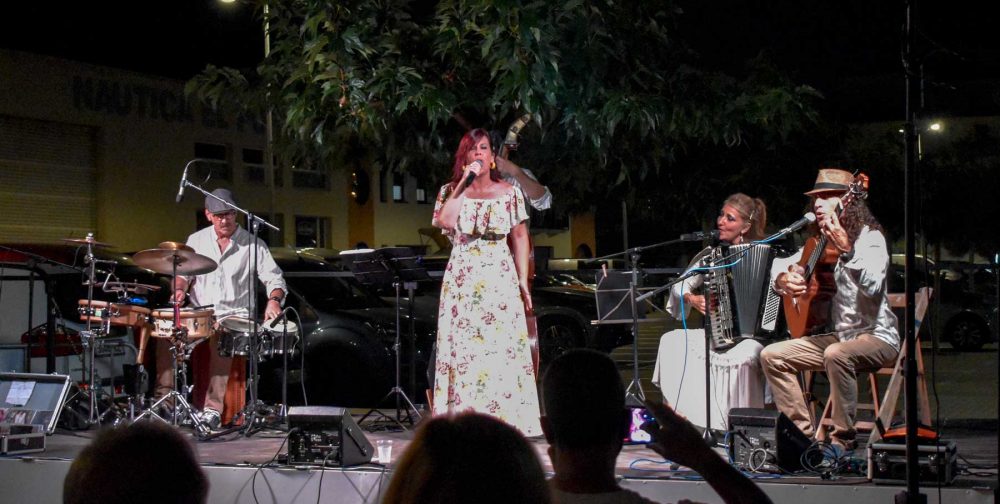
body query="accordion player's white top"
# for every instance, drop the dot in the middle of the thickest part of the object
(737, 380)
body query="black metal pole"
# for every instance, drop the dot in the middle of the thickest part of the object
(31, 317)
(410, 286)
(912, 494)
(50, 327)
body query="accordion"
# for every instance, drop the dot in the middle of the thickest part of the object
(739, 303)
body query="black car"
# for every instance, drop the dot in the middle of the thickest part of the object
(963, 311)
(350, 329)
(349, 332)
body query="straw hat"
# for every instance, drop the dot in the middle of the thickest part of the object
(831, 179)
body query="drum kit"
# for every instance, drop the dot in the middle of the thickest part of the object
(184, 327)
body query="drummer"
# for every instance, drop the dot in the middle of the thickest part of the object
(227, 289)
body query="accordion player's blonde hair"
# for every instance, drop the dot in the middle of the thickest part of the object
(753, 210)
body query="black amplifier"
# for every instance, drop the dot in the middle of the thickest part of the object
(313, 447)
(887, 463)
(326, 435)
(764, 440)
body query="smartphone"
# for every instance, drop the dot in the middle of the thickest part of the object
(639, 417)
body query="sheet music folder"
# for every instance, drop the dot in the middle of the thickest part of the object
(383, 266)
(614, 305)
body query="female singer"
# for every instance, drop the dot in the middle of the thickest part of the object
(483, 358)
(737, 380)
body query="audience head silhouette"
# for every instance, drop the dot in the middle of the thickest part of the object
(146, 462)
(468, 457)
(584, 402)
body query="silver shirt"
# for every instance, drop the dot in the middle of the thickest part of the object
(228, 286)
(860, 304)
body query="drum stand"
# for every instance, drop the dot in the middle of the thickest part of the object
(181, 350)
(88, 338)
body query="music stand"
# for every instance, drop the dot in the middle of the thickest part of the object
(399, 267)
(617, 303)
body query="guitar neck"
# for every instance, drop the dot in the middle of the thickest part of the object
(817, 253)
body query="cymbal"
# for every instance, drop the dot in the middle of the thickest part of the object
(88, 241)
(135, 287)
(162, 261)
(172, 245)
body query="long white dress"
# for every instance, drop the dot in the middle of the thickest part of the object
(736, 377)
(483, 358)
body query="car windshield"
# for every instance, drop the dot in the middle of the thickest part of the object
(329, 290)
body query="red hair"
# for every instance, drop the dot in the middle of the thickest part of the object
(469, 140)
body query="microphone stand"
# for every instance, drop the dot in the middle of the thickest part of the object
(637, 397)
(254, 222)
(707, 435)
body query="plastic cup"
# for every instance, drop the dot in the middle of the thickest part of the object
(384, 447)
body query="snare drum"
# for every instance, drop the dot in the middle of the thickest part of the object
(116, 314)
(234, 337)
(197, 322)
(272, 340)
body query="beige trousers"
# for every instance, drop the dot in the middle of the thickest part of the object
(782, 361)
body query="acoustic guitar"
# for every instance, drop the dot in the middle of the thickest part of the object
(808, 313)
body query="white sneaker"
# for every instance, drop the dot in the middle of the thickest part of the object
(211, 418)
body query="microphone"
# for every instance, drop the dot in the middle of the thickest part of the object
(180, 189)
(701, 235)
(806, 219)
(279, 318)
(472, 175)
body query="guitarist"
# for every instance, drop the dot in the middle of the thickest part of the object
(861, 326)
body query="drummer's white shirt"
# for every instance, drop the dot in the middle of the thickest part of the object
(228, 286)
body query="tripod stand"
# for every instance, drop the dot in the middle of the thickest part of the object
(398, 266)
(611, 309)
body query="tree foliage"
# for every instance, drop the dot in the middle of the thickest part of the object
(615, 98)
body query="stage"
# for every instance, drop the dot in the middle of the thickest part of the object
(244, 469)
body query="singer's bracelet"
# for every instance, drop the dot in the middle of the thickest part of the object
(276, 298)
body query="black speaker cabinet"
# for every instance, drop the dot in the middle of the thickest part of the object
(766, 440)
(326, 435)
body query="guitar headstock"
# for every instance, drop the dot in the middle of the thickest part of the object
(858, 189)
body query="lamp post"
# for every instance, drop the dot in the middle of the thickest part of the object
(269, 179)
(269, 123)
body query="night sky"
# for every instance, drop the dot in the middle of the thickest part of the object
(841, 48)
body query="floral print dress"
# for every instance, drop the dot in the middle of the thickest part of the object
(483, 358)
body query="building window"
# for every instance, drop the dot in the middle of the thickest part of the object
(254, 169)
(312, 231)
(272, 238)
(422, 195)
(213, 162)
(398, 187)
(307, 176)
(253, 165)
(555, 219)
